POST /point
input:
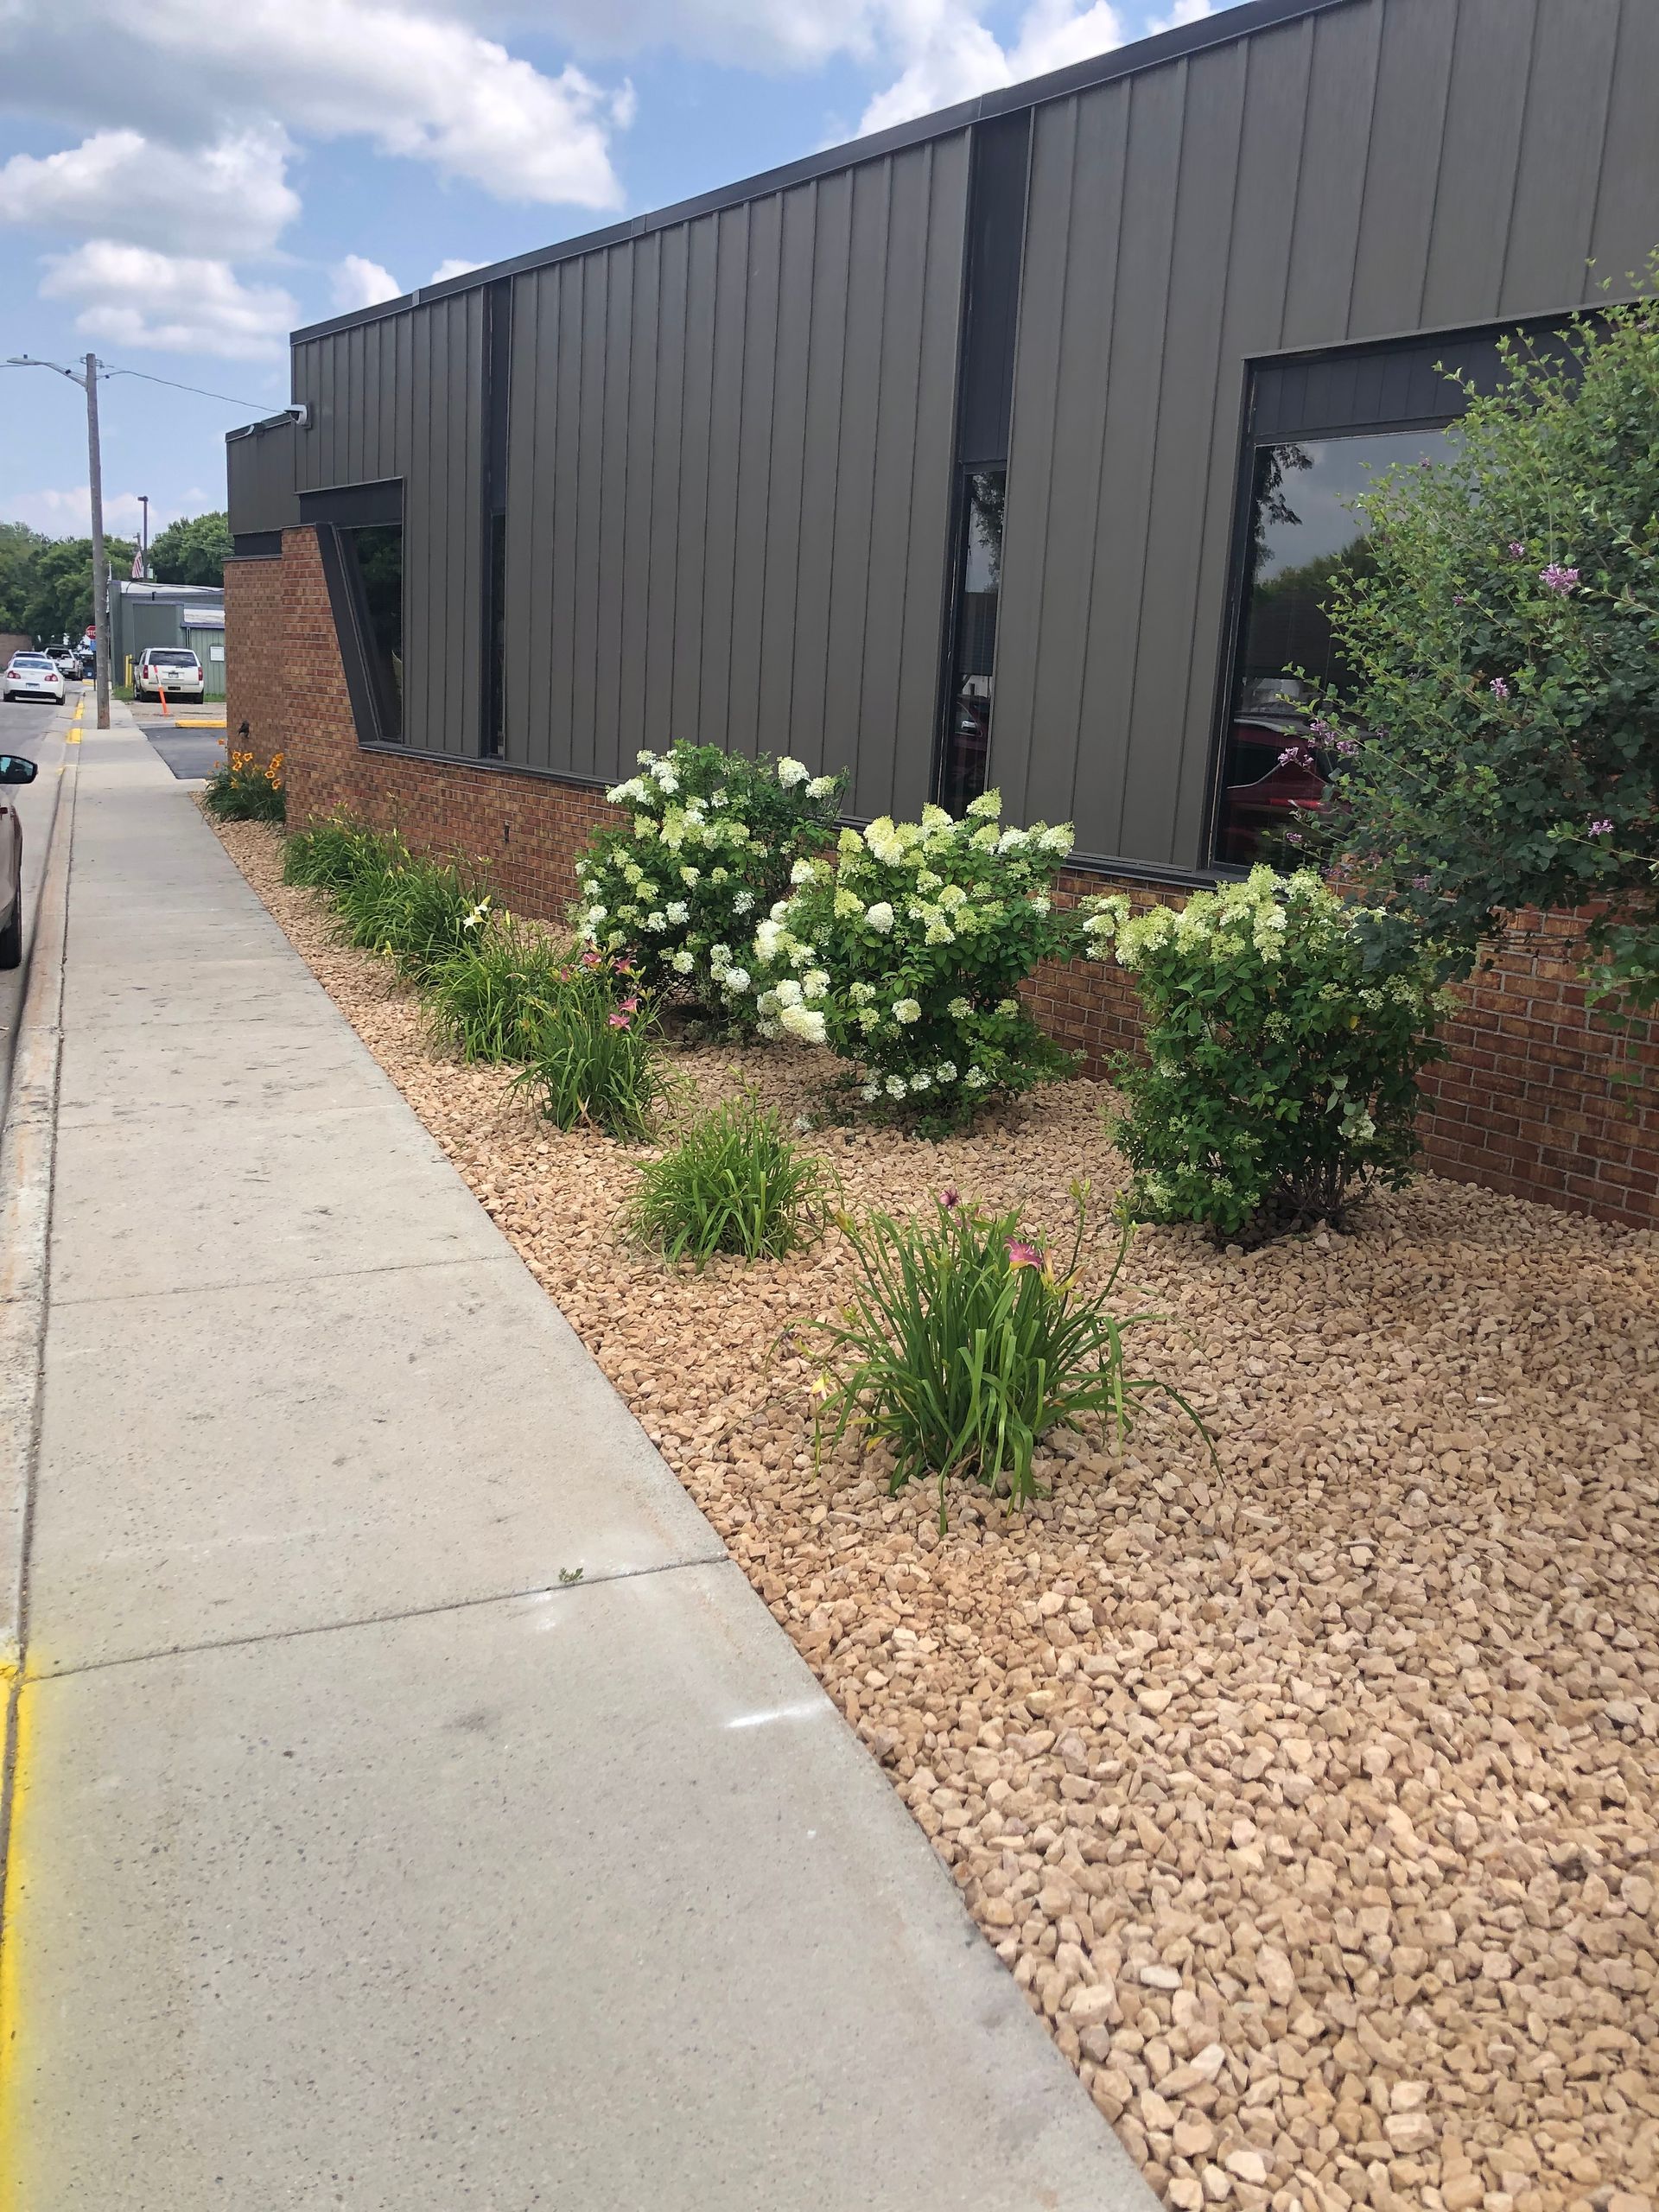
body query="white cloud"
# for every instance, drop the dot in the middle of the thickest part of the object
(69, 513)
(131, 295)
(413, 80)
(360, 283)
(950, 55)
(446, 270)
(232, 197)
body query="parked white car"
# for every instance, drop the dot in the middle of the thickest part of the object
(170, 669)
(32, 676)
(14, 769)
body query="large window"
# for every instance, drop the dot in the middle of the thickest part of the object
(1305, 523)
(966, 757)
(364, 563)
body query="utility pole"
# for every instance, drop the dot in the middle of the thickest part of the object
(144, 540)
(100, 565)
(88, 382)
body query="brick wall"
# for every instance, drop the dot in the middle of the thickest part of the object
(1527, 1102)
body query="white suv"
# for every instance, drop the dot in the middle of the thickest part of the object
(33, 675)
(169, 668)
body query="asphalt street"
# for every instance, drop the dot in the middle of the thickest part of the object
(37, 732)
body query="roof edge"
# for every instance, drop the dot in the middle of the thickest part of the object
(1223, 29)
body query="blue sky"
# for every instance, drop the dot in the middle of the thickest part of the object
(282, 159)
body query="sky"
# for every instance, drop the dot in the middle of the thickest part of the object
(275, 161)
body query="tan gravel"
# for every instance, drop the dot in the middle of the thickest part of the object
(1312, 1804)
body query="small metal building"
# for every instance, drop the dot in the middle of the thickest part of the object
(963, 453)
(190, 615)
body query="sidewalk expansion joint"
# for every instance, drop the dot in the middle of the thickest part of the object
(721, 1558)
(288, 1283)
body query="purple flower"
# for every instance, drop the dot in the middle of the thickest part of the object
(1321, 728)
(1291, 753)
(949, 1197)
(1558, 579)
(1021, 1255)
(1457, 598)
(1292, 836)
(1500, 689)
(1345, 746)
(1602, 829)
(1517, 550)
(1421, 882)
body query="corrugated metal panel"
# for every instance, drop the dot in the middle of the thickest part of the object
(260, 490)
(1341, 177)
(741, 538)
(403, 398)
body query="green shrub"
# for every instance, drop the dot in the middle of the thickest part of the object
(1499, 750)
(594, 1056)
(906, 958)
(1281, 1074)
(961, 1348)
(330, 854)
(239, 789)
(734, 1183)
(490, 998)
(713, 841)
(420, 912)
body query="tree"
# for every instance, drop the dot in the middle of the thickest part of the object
(46, 583)
(192, 551)
(1498, 747)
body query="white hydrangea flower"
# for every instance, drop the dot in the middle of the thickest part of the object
(790, 773)
(735, 979)
(690, 875)
(804, 871)
(1056, 840)
(789, 992)
(768, 939)
(678, 911)
(683, 963)
(815, 983)
(821, 787)
(870, 1093)
(921, 1080)
(804, 1023)
(946, 1072)
(1011, 840)
(879, 916)
(597, 914)
(959, 1009)
(1008, 1006)
(1040, 905)
(895, 1086)
(743, 902)
(656, 919)
(976, 1078)
(780, 911)
(987, 807)
(907, 1010)
(861, 994)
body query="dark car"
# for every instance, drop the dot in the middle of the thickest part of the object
(14, 769)
(1275, 772)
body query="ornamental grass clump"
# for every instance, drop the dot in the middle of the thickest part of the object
(594, 1056)
(239, 789)
(906, 956)
(710, 846)
(963, 1346)
(419, 912)
(1280, 1072)
(734, 1183)
(490, 1001)
(332, 853)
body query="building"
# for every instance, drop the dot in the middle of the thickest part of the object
(959, 454)
(191, 615)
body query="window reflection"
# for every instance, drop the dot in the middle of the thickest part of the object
(965, 766)
(1304, 526)
(374, 563)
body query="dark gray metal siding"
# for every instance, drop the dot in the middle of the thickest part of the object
(730, 481)
(260, 488)
(1382, 166)
(403, 398)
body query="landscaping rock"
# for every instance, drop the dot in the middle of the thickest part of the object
(1309, 1793)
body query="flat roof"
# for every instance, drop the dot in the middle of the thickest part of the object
(1221, 29)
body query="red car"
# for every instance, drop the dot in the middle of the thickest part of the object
(14, 769)
(1273, 768)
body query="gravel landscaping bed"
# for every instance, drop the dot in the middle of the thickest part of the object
(1312, 1800)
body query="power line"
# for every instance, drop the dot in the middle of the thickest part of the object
(229, 398)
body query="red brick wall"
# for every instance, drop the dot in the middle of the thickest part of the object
(1527, 1101)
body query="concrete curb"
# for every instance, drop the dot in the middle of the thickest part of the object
(27, 1148)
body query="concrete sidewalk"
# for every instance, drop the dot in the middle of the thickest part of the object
(361, 1857)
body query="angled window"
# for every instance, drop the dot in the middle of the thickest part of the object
(360, 537)
(965, 760)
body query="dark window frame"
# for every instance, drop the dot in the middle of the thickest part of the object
(352, 621)
(1277, 407)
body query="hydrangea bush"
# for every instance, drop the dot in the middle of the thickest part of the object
(905, 957)
(710, 848)
(1280, 1075)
